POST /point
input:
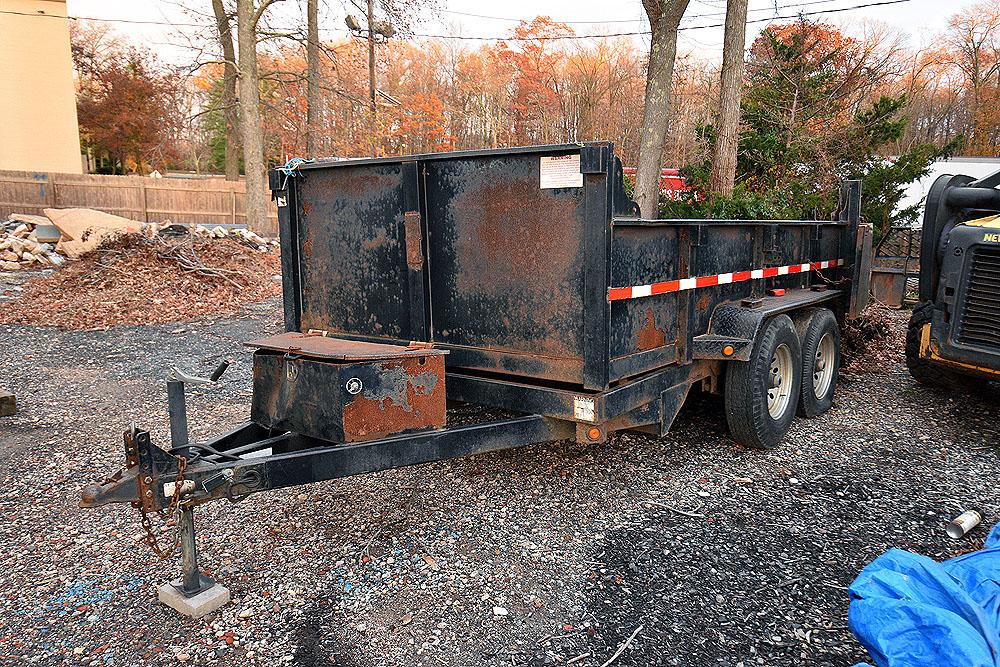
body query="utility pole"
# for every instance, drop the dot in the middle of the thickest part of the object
(374, 28)
(371, 74)
(313, 95)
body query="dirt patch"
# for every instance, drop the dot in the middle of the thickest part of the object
(136, 280)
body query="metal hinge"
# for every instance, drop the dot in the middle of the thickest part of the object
(414, 249)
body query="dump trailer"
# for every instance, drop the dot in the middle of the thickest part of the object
(953, 339)
(521, 279)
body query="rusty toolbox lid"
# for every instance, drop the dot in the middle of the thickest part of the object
(339, 349)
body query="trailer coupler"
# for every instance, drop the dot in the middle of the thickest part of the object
(134, 482)
(119, 488)
(150, 479)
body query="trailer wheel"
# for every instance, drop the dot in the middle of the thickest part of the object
(762, 393)
(820, 338)
(925, 371)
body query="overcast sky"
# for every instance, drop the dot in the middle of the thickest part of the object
(919, 19)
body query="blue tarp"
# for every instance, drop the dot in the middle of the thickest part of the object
(910, 611)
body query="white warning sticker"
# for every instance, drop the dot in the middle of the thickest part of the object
(583, 408)
(560, 171)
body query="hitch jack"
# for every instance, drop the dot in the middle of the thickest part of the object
(193, 594)
(142, 483)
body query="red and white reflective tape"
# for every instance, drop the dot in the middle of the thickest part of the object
(618, 293)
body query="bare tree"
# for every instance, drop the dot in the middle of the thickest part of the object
(973, 42)
(312, 77)
(230, 112)
(727, 135)
(664, 18)
(248, 13)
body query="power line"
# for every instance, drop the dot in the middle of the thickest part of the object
(172, 24)
(634, 33)
(513, 20)
(769, 8)
(91, 18)
(641, 33)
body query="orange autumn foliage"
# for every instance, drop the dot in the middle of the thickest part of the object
(533, 87)
(535, 60)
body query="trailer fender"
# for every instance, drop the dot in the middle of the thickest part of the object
(734, 326)
(730, 334)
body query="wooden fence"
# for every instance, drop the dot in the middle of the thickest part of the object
(196, 201)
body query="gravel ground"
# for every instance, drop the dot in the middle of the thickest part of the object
(702, 552)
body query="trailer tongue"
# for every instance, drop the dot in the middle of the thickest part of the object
(519, 279)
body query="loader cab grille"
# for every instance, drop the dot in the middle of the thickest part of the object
(979, 321)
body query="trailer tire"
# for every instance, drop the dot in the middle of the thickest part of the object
(820, 339)
(923, 370)
(758, 410)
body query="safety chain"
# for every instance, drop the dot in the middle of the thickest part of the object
(171, 512)
(831, 281)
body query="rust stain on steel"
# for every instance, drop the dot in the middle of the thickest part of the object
(411, 228)
(517, 232)
(410, 395)
(307, 207)
(316, 345)
(649, 337)
(704, 300)
(380, 240)
(518, 248)
(355, 183)
(307, 248)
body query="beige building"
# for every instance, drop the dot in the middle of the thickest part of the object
(38, 126)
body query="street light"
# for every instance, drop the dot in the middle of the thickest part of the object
(384, 28)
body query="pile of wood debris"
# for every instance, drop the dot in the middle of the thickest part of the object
(135, 279)
(46, 241)
(875, 340)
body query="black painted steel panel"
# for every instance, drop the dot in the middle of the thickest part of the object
(506, 260)
(352, 251)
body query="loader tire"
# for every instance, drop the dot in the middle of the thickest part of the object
(762, 394)
(923, 370)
